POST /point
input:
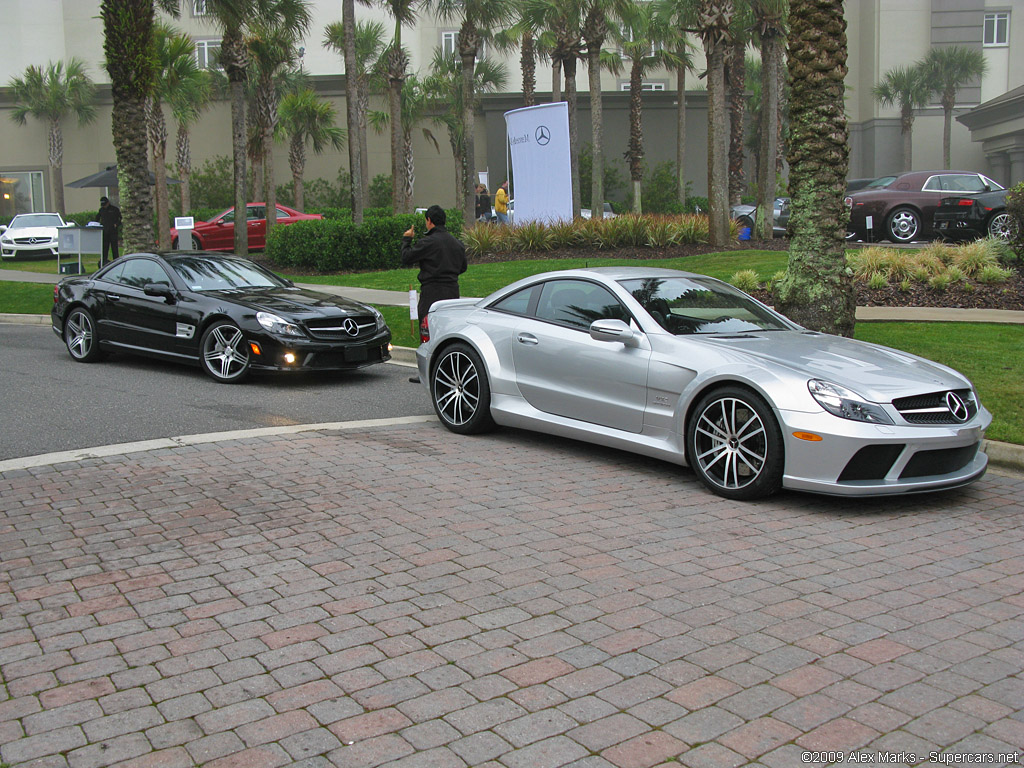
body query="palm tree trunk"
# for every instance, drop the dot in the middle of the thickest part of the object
(184, 169)
(238, 157)
(574, 150)
(528, 63)
(817, 291)
(737, 107)
(268, 173)
(355, 161)
(468, 55)
(771, 60)
(906, 131)
(56, 151)
(297, 163)
(364, 152)
(258, 180)
(597, 131)
(636, 133)
(397, 65)
(158, 144)
(681, 133)
(948, 102)
(718, 146)
(556, 79)
(410, 167)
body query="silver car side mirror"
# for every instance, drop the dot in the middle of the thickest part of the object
(613, 330)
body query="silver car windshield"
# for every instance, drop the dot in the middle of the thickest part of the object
(687, 306)
(223, 275)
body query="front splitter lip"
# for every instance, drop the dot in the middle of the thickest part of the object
(867, 488)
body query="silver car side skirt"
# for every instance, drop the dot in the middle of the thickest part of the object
(512, 411)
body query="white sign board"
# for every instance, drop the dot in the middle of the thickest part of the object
(538, 139)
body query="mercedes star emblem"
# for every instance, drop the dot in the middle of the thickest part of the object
(350, 326)
(543, 135)
(957, 407)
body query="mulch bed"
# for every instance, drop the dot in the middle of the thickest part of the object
(1008, 295)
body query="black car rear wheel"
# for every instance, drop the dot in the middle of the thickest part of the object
(460, 391)
(1001, 225)
(734, 444)
(904, 225)
(80, 336)
(225, 354)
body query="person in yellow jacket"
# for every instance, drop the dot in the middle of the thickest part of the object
(501, 203)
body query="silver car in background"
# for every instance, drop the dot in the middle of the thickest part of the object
(686, 368)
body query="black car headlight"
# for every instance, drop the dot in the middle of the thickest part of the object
(276, 324)
(379, 318)
(846, 404)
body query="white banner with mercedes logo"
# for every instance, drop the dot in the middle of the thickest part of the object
(538, 140)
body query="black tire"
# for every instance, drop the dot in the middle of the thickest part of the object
(746, 221)
(80, 336)
(734, 444)
(460, 391)
(1002, 226)
(224, 353)
(903, 226)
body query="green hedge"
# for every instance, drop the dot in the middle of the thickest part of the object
(338, 245)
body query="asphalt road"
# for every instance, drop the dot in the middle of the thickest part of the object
(51, 403)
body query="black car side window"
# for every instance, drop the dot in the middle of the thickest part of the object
(138, 273)
(578, 303)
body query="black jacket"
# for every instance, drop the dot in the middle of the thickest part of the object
(440, 256)
(110, 217)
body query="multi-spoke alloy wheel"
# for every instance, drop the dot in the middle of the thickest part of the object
(734, 444)
(1002, 226)
(460, 391)
(904, 225)
(225, 355)
(80, 336)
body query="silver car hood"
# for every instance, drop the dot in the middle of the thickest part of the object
(40, 232)
(874, 372)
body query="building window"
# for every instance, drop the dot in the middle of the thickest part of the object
(997, 29)
(450, 46)
(208, 54)
(624, 86)
(21, 192)
(199, 8)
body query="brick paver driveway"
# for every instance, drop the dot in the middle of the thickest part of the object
(403, 596)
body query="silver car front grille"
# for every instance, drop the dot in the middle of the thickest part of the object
(938, 407)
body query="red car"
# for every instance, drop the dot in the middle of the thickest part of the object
(218, 234)
(901, 207)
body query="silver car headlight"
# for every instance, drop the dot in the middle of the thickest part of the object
(277, 324)
(845, 403)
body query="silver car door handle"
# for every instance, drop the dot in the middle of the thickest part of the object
(526, 338)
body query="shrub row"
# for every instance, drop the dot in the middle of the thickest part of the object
(338, 245)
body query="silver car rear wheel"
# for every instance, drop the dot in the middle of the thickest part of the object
(734, 444)
(460, 391)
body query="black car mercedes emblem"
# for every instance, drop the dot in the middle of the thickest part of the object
(543, 135)
(350, 326)
(957, 407)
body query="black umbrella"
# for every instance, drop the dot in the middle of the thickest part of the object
(108, 178)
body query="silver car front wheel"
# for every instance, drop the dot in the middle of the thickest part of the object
(734, 444)
(460, 391)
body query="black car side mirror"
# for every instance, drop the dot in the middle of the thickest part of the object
(159, 289)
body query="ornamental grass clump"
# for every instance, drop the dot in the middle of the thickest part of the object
(991, 275)
(660, 231)
(940, 282)
(877, 281)
(869, 261)
(971, 258)
(564, 234)
(690, 228)
(482, 238)
(531, 236)
(632, 229)
(746, 280)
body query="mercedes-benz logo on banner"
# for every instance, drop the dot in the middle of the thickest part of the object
(351, 326)
(957, 407)
(543, 135)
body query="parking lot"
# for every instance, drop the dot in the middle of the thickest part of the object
(404, 596)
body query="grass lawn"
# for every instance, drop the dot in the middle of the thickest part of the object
(483, 279)
(48, 266)
(25, 298)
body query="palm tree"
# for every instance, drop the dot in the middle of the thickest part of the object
(713, 25)
(735, 75)
(481, 19)
(403, 12)
(48, 95)
(770, 31)
(946, 71)
(187, 101)
(416, 102)
(642, 38)
(444, 86)
(304, 118)
(596, 20)
(561, 25)
(906, 88)
(178, 82)
(274, 48)
(356, 161)
(817, 291)
(369, 48)
(679, 16)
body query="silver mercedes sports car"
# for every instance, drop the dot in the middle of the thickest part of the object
(686, 368)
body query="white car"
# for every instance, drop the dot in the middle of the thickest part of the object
(607, 212)
(31, 234)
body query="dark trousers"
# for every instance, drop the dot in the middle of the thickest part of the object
(431, 292)
(109, 244)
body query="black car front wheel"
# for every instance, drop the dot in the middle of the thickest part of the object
(1002, 226)
(460, 391)
(904, 225)
(734, 444)
(80, 336)
(225, 353)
